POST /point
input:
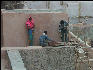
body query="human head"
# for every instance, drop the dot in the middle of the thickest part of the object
(30, 19)
(45, 32)
(61, 22)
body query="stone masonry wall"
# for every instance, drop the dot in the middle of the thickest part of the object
(49, 58)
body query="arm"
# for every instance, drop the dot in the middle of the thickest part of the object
(48, 38)
(28, 27)
(33, 25)
(32, 21)
(59, 29)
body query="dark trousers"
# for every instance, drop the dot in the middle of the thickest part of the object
(43, 44)
(64, 36)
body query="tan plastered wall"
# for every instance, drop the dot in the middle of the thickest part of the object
(14, 30)
(1, 30)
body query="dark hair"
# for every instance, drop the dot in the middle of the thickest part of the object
(62, 22)
(45, 32)
(30, 18)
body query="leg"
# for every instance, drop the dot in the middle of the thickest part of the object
(62, 36)
(42, 44)
(31, 40)
(66, 36)
(30, 37)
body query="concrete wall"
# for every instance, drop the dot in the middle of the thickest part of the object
(42, 5)
(70, 7)
(49, 58)
(34, 4)
(86, 8)
(14, 30)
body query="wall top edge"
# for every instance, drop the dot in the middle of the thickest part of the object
(32, 47)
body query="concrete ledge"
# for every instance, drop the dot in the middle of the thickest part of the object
(31, 47)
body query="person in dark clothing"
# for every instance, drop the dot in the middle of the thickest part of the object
(43, 40)
(91, 43)
(63, 28)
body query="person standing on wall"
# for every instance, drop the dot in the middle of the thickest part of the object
(63, 28)
(30, 28)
